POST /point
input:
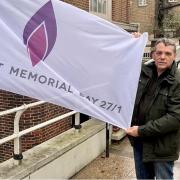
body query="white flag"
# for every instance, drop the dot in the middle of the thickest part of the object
(58, 53)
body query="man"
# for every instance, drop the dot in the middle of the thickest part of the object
(155, 131)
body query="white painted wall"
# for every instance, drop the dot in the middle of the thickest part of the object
(74, 160)
(59, 157)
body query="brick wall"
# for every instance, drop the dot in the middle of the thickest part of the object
(145, 15)
(127, 11)
(31, 117)
(120, 10)
(82, 4)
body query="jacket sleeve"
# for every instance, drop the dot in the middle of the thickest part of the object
(167, 123)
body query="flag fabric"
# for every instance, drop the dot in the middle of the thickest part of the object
(55, 52)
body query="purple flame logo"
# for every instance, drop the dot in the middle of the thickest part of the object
(40, 33)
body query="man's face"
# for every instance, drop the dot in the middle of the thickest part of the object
(164, 57)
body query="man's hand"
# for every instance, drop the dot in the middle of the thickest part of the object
(133, 131)
(136, 34)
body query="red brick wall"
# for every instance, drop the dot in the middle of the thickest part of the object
(31, 117)
(145, 15)
(127, 11)
(120, 10)
(83, 4)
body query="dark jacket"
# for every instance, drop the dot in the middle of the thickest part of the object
(160, 130)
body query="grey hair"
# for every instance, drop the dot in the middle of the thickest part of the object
(166, 42)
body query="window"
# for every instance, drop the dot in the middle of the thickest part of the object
(102, 8)
(99, 6)
(172, 0)
(142, 2)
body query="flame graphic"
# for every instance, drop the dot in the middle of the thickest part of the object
(40, 33)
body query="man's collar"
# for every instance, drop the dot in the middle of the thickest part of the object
(171, 75)
(148, 70)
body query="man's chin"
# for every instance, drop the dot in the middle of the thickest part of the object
(162, 68)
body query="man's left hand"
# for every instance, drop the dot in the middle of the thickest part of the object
(133, 131)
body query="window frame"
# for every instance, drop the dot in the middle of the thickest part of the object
(142, 3)
(99, 12)
(172, 1)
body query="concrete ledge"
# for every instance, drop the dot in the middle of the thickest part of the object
(118, 135)
(44, 154)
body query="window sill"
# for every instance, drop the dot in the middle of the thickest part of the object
(142, 5)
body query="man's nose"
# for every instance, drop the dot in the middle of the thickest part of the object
(163, 55)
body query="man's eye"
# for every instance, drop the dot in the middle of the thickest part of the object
(159, 53)
(168, 53)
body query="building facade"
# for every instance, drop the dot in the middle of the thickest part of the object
(142, 12)
(132, 15)
(115, 11)
(158, 18)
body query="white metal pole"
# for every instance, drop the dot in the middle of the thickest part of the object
(26, 131)
(10, 111)
(17, 141)
(77, 125)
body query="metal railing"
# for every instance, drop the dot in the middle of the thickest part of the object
(16, 136)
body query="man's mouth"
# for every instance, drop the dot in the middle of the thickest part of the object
(161, 63)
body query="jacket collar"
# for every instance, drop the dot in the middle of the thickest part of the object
(170, 77)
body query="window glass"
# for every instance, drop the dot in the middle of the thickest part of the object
(104, 5)
(102, 8)
(98, 6)
(142, 2)
(94, 5)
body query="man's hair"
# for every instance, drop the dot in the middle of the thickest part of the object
(166, 42)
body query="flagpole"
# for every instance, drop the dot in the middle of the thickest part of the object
(107, 140)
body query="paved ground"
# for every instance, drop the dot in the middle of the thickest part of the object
(119, 165)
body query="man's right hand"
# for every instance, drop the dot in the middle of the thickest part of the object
(136, 34)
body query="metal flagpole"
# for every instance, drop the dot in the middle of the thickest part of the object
(107, 140)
